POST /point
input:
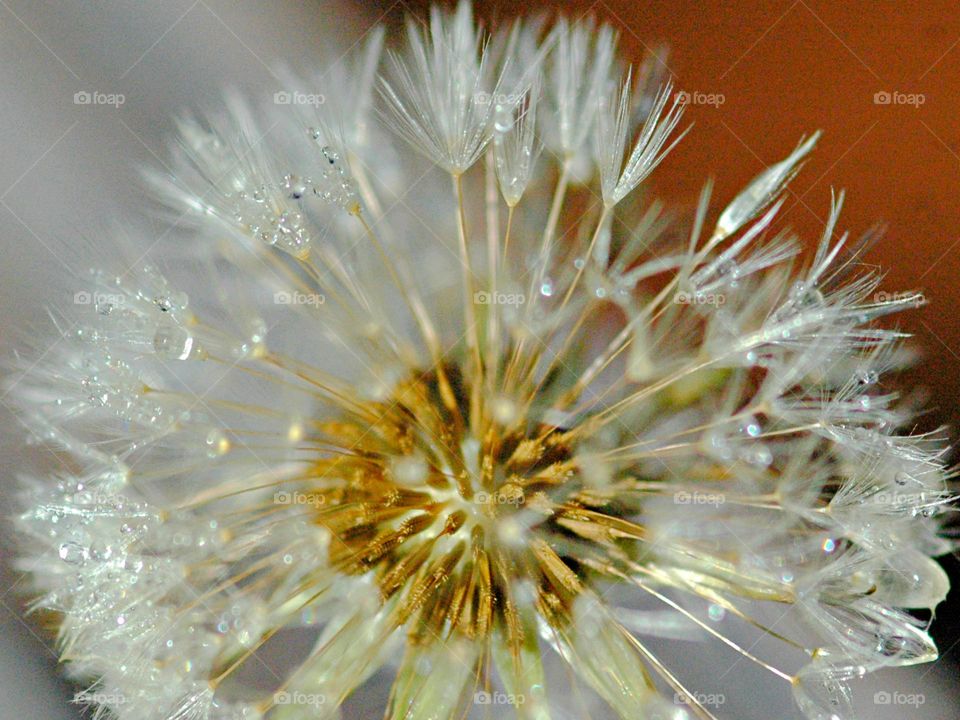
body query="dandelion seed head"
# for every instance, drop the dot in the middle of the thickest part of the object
(482, 430)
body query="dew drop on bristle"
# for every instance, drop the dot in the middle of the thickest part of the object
(173, 342)
(217, 443)
(503, 118)
(759, 455)
(73, 553)
(751, 427)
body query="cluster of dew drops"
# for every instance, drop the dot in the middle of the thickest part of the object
(274, 222)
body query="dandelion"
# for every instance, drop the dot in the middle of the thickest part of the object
(458, 413)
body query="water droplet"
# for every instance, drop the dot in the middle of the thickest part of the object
(172, 342)
(759, 455)
(716, 612)
(217, 443)
(730, 271)
(104, 306)
(503, 118)
(99, 400)
(718, 445)
(101, 553)
(751, 427)
(890, 645)
(73, 553)
(546, 288)
(330, 154)
(867, 377)
(295, 187)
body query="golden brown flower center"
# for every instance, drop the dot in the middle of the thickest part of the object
(440, 511)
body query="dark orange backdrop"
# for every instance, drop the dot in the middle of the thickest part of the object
(788, 68)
